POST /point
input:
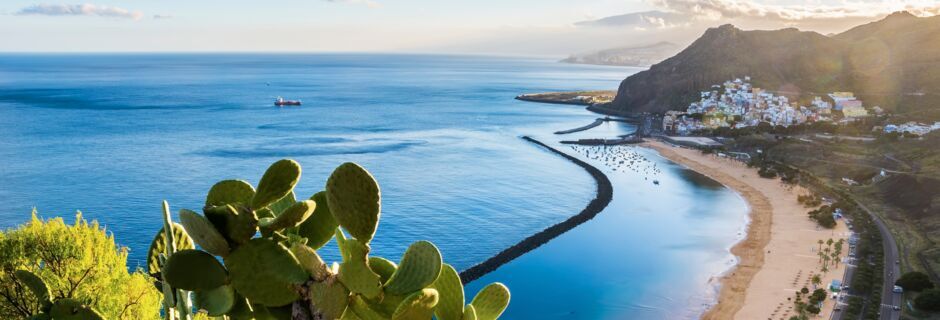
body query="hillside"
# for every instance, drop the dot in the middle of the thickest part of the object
(639, 56)
(892, 62)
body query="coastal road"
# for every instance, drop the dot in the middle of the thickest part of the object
(892, 270)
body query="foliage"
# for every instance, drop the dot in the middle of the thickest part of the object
(78, 264)
(915, 281)
(279, 275)
(819, 295)
(823, 216)
(928, 300)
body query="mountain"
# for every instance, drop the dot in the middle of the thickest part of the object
(641, 56)
(889, 62)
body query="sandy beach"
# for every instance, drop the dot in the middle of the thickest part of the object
(779, 254)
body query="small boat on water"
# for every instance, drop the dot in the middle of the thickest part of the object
(280, 102)
(656, 182)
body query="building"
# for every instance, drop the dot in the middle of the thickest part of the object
(853, 109)
(840, 97)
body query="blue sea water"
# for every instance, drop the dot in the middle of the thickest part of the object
(113, 135)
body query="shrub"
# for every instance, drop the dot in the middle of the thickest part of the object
(915, 281)
(928, 300)
(78, 262)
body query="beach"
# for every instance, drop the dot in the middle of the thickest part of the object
(778, 256)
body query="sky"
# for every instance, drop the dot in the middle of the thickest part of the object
(508, 27)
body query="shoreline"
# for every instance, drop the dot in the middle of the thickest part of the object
(779, 253)
(748, 251)
(602, 198)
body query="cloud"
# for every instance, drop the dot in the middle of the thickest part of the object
(80, 10)
(731, 9)
(368, 3)
(162, 16)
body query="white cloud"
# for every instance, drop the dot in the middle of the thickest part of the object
(80, 10)
(368, 3)
(724, 9)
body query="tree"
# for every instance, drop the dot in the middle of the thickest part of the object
(819, 295)
(79, 262)
(820, 242)
(812, 308)
(928, 300)
(915, 281)
(805, 290)
(817, 280)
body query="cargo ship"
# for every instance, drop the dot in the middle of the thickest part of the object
(280, 102)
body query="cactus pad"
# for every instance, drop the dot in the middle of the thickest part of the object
(277, 182)
(194, 270)
(469, 313)
(450, 290)
(311, 261)
(70, 309)
(204, 233)
(355, 200)
(158, 246)
(230, 192)
(215, 302)
(291, 217)
(417, 306)
(363, 310)
(319, 228)
(383, 267)
(418, 268)
(328, 299)
(265, 272)
(491, 301)
(354, 271)
(238, 224)
(282, 204)
(35, 285)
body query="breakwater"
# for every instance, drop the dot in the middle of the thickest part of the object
(600, 201)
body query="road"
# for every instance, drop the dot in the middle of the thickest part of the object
(892, 269)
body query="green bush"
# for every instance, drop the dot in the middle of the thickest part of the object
(78, 263)
(915, 281)
(928, 300)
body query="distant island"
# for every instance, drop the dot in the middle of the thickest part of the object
(635, 56)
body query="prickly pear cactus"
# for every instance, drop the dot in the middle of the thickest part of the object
(230, 192)
(355, 200)
(158, 246)
(419, 267)
(204, 233)
(277, 182)
(320, 227)
(268, 242)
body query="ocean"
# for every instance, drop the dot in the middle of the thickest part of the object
(113, 135)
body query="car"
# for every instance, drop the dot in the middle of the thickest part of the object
(896, 308)
(898, 289)
(897, 261)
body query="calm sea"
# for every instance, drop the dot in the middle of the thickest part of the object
(113, 135)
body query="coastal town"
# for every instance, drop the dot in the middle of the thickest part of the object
(738, 104)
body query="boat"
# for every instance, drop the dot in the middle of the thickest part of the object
(656, 182)
(280, 102)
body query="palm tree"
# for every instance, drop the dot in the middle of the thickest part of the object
(820, 244)
(829, 242)
(816, 281)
